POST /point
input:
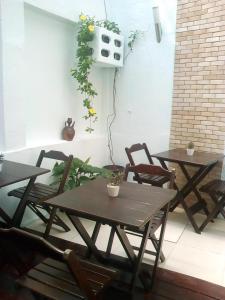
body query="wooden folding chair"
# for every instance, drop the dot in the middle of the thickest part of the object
(160, 218)
(62, 275)
(216, 190)
(41, 192)
(156, 180)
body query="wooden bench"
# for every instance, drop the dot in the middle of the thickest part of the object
(62, 275)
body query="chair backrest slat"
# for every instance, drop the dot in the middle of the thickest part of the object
(151, 170)
(135, 148)
(31, 241)
(57, 155)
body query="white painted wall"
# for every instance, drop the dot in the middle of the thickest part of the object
(38, 94)
(12, 79)
(50, 93)
(70, 9)
(36, 81)
(144, 85)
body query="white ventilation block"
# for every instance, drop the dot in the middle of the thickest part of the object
(108, 48)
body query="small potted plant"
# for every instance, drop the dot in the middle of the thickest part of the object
(1, 161)
(113, 187)
(190, 148)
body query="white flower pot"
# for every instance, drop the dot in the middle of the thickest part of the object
(190, 151)
(113, 190)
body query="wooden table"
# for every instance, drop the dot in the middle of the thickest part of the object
(13, 172)
(203, 162)
(135, 207)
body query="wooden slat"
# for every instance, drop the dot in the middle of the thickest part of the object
(154, 180)
(53, 282)
(214, 186)
(164, 289)
(66, 275)
(46, 187)
(38, 191)
(47, 291)
(92, 269)
(196, 207)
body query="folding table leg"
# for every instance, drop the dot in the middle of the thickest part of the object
(193, 186)
(85, 236)
(189, 215)
(110, 242)
(137, 263)
(4, 216)
(126, 244)
(161, 237)
(94, 237)
(155, 243)
(18, 215)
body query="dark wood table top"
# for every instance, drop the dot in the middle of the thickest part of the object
(13, 172)
(199, 158)
(135, 205)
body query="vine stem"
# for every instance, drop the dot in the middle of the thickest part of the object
(112, 116)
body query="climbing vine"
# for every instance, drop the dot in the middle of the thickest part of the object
(86, 32)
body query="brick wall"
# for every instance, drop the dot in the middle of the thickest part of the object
(198, 112)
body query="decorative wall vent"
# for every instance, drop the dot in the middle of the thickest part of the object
(108, 48)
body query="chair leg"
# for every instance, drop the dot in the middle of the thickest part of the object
(50, 222)
(57, 220)
(216, 200)
(218, 207)
(37, 212)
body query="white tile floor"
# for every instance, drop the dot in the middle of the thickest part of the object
(201, 256)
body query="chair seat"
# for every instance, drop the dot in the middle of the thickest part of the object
(39, 192)
(151, 179)
(216, 186)
(54, 280)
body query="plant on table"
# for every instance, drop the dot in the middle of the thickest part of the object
(115, 180)
(80, 173)
(190, 148)
(190, 145)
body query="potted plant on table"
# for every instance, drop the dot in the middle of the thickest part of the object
(190, 148)
(113, 187)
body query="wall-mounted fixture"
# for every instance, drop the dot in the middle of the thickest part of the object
(108, 48)
(158, 26)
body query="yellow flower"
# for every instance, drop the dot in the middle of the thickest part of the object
(91, 28)
(92, 111)
(83, 18)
